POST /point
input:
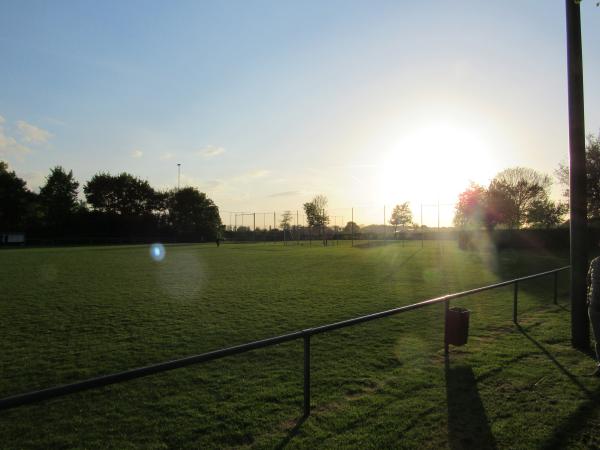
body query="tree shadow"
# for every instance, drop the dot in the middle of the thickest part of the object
(291, 433)
(468, 425)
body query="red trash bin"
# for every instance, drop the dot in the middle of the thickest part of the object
(457, 326)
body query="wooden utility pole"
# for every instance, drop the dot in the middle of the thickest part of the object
(580, 336)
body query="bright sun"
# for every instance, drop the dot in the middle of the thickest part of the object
(435, 162)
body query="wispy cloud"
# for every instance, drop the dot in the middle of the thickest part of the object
(210, 151)
(137, 153)
(257, 173)
(166, 156)
(9, 145)
(31, 133)
(286, 194)
(203, 185)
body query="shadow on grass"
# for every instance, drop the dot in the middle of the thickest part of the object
(560, 367)
(575, 423)
(291, 433)
(468, 425)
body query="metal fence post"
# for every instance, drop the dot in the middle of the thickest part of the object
(307, 375)
(446, 310)
(515, 302)
(556, 288)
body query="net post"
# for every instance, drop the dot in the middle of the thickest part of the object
(306, 375)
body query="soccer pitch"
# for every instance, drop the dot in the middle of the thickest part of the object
(68, 314)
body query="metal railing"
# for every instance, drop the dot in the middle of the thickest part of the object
(305, 335)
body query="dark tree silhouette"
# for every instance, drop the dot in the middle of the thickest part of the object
(58, 198)
(351, 226)
(17, 203)
(513, 191)
(193, 215)
(122, 194)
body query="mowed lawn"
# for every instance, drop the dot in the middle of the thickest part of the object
(67, 314)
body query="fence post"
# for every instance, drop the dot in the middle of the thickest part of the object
(556, 288)
(446, 310)
(516, 295)
(307, 375)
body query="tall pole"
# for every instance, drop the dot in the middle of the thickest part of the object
(384, 230)
(422, 225)
(352, 227)
(323, 227)
(178, 175)
(438, 217)
(577, 179)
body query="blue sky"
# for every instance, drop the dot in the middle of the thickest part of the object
(267, 103)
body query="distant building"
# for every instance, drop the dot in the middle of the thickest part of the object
(12, 238)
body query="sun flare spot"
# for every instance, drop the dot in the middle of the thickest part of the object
(435, 162)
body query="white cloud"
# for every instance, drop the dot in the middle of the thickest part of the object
(1, 120)
(203, 185)
(137, 153)
(286, 194)
(9, 145)
(211, 151)
(166, 156)
(33, 134)
(257, 173)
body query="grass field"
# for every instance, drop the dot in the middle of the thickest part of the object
(72, 313)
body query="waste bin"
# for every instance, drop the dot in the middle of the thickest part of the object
(457, 326)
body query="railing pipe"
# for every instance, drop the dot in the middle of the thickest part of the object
(106, 380)
(515, 302)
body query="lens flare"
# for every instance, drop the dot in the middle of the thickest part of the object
(157, 252)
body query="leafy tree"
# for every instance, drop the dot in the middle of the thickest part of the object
(315, 211)
(512, 192)
(471, 207)
(17, 203)
(544, 213)
(58, 197)
(122, 194)
(592, 159)
(401, 216)
(350, 226)
(286, 220)
(192, 213)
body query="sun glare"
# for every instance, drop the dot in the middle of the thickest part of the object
(435, 162)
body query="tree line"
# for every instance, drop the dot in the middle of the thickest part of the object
(122, 206)
(520, 197)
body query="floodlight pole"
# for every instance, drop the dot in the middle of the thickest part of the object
(384, 229)
(421, 225)
(580, 336)
(352, 227)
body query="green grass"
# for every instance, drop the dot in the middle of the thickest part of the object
(72, 313)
